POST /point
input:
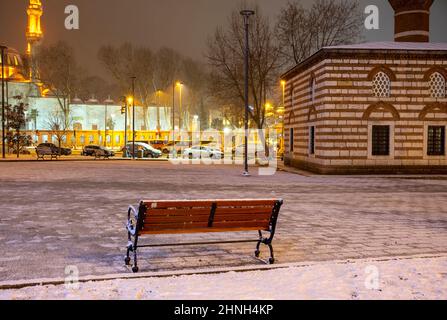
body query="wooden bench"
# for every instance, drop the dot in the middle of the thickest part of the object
(201, 216)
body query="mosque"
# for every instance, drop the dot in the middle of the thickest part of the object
(92, 121)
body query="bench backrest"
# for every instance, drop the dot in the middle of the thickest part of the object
(186, 216)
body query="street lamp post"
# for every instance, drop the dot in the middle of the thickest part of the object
(246, 14)
(2, 49)
(126, 110)
(133, 117)
(180, 119)
(106, 103)
(173, 112)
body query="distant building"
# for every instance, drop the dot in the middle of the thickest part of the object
(92, 121)
(373, 107)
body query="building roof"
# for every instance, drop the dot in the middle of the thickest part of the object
(368, 49)
(392, 45)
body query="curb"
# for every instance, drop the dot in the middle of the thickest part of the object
(20, 284)
(83, 160)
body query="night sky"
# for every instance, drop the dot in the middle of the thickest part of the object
(181, 24)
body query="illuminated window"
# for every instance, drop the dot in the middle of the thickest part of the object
(437, 85)
(381, 85)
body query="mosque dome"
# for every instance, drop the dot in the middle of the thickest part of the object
(14, 65)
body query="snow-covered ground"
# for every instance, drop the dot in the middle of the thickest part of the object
(403, 278)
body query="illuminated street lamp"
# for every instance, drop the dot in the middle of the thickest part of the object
(283, 86)
(133, 117)
(179, 85)
(174, 85)
(246, 14)
(158, 94)
(128, 102)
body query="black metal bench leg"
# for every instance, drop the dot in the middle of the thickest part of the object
(135, 263)
(272, 257)
(129, 248)
(257, 252)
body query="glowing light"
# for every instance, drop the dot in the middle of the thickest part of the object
(129, 100)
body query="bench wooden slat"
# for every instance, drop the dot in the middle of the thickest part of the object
(208, 202)
(259, 225)
(173, 225)
(201, 230)
(242, 217)
(182, 218)
(254, 210)
(251, 203)
(178, 212)
(177, 204)
(154, 220)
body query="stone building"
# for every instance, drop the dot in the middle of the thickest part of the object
(374, 107)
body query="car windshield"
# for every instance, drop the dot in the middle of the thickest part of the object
(141, 144)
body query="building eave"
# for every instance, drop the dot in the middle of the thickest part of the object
(334, 53)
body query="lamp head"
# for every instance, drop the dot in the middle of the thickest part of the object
(247, 13)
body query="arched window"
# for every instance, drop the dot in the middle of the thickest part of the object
(437, 85)
(381, 85)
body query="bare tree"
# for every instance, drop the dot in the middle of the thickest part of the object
(127, 61)
(225, 54)
(302, 32)
(58, 73)
(59, 126)
(94, 86)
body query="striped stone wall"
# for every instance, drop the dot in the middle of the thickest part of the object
(344, 108)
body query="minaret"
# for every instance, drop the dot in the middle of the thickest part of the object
(34, 33)
(412, 20)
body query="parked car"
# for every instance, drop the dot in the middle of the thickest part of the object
(157, 144)
(144, 149)
(197, 152)
(178, 146)
(97, 151)
(51, 148)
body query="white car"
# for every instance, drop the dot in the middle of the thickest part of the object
(198, 152)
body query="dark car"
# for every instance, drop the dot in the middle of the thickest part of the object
(95, 150)
(54, 149)
(143, 149)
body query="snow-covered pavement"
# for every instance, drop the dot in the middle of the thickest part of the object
(403, 278)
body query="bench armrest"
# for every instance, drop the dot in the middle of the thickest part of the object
(132, 218)
(133, 210)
